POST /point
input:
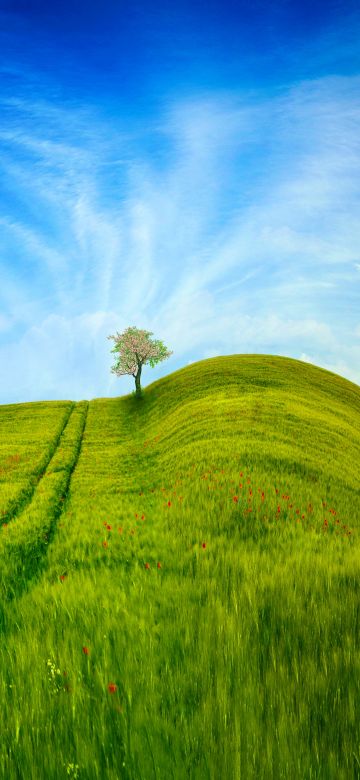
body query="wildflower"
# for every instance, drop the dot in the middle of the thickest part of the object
(147, 566)
(204, 544)
(54, 677)
(86, 650)
(159, 565)
(72, 768)
(112, 687)
(105, 544)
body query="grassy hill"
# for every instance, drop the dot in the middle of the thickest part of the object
(179, 579)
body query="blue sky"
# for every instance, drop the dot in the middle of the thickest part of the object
(190, 168)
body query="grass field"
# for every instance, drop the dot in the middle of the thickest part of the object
(179, 579)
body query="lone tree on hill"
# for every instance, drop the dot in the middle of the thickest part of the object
(135, 349)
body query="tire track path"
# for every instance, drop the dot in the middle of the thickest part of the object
(24, 542)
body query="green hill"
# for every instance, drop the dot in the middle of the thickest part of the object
(179, 578)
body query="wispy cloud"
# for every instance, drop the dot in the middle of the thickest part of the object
(236, 231)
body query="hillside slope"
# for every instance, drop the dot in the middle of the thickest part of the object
(179, 578)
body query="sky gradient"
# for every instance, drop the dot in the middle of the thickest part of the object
(190, 168)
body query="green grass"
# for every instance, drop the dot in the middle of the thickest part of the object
(179, 579)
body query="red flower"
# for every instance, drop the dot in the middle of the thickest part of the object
(108, 527)
(86, 650)
(235, 498)
(112, 687)
(62, 577)
(105, 544)
(147, 566)
(159, 565)
(204, 544)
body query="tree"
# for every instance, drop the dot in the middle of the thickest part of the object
(135, 349)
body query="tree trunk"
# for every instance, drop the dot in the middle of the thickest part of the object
(137, 383)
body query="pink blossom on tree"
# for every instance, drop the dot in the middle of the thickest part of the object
(135, 349)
